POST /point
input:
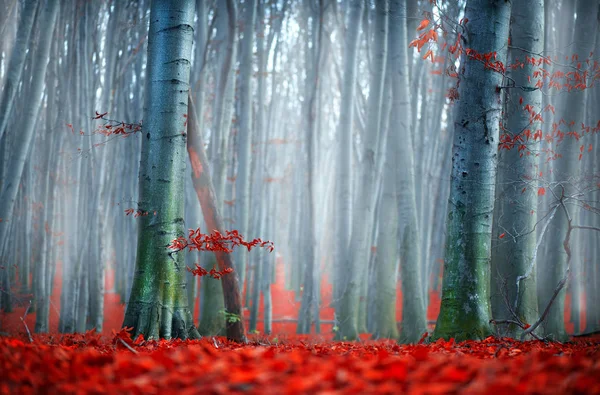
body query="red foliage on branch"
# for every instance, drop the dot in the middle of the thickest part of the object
(217, 241)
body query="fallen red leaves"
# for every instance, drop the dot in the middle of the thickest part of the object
(85, 363)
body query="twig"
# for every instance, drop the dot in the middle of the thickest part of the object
(24, 323)
(563, 281)
(128, 346)
(534, 257)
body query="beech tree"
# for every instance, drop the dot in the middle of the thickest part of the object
(158, 305)
(465, 309)
(513, 280)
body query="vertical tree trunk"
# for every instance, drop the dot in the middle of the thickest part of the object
(346, 312)
(311, 286)
(515, 212)
(158, 305)
(465, 309)
(566, 173)
(414, 322)
(242, 182)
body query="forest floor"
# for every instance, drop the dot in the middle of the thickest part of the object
(85, 363)
(281, 363)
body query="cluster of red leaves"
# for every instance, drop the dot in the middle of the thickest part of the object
(116, 128)
(85, 363)
(217, 241)
(136, 213)
(214, 273)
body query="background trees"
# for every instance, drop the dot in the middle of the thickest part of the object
(327, 127)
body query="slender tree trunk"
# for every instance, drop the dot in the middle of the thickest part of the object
(566, 173)
(346, 311)
(242, 182)
(210, 209)
(414, 322)
(17, 62)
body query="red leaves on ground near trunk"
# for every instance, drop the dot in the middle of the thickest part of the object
(85, 363)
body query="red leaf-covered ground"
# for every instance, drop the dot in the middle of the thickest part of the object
(87, 364)
(281, 363)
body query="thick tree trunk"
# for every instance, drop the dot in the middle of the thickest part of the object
(465, 309)
(158, 305)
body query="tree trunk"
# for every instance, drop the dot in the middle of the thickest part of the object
(158, 305)
(414, 322)
(346, 316)
(515, 215)
(242, 182)
(17, 62)
(208, 201)
(465, 309)
(566, 173)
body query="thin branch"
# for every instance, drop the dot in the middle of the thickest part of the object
(24, 323)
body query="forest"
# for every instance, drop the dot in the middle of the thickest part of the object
(307, 196)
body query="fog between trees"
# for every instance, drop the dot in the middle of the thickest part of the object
(413, 148)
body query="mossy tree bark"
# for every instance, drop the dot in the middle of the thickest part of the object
(158, 305)
(513, 266)
(465, 309)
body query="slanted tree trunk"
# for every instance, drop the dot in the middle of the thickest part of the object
(158, 305)
(465, 309)
(17, 62)
(210, 209)
(515, 212)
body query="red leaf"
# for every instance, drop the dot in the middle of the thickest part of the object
(424, 23)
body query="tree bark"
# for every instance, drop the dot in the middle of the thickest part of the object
(158, 305)
(346, 312)
(210, 209)
(465, 309)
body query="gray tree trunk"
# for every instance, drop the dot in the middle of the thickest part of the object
(243, 178)
(566, 173)
(345, 314)
(414, 321)
(513, 264)
(158, 305)
(17, 62)
(465, 309)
